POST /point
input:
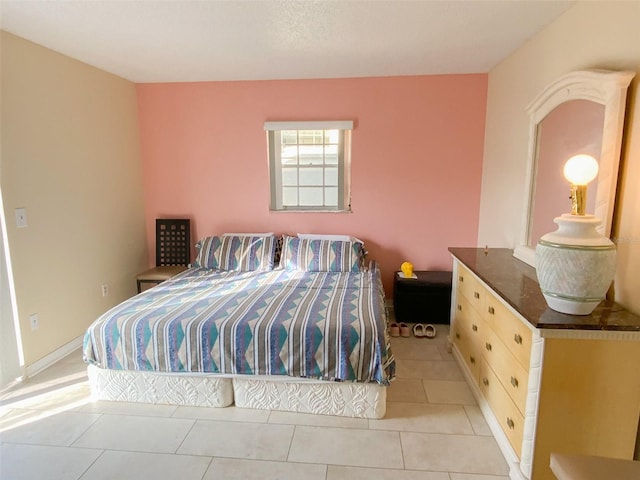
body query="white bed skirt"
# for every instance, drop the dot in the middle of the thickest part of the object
(360, 400)
(158, 387)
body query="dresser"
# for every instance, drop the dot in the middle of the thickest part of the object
(545, 381)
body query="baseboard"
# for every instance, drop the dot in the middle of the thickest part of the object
(55, 356)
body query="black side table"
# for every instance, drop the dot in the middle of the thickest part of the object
(426, 299)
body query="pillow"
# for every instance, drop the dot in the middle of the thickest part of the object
(319, 236)
(268, 234)
(205, 255)
(237, 252)
(321, 255)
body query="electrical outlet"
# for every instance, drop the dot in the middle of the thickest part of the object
(105, 289)
(34, 321)
(21, 217)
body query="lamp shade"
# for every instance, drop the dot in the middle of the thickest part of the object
(581, 169)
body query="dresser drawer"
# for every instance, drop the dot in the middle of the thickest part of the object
(473, 325)
(471, 288)
(511, 330)
(467, 348)
(509, 417)
(513, 377)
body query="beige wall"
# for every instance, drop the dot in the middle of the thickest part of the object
(70, 156)
(589, 35)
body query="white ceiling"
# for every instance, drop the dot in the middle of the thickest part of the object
(178, 41)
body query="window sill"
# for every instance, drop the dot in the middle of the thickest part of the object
(310, 211)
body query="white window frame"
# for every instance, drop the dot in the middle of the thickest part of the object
(273, 130)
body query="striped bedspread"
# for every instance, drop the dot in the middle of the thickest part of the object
(325, 325)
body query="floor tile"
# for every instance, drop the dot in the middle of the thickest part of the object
(445, 351)
(74, 357)
(449, 392)
(345, 446)
(423, 417)
(29, 462)
(471, 476)
(406, 390)
(428, 370)
(146, 466)
(14, 417)
(227, 414)
(290, 418)
(335, 472)
(62, 372)
(453, 453)
(238, 440)
(128, 408)
(442, 330)
(479, 424)
(135, 433)
(415, 349)
(61, 429)
(22, 390)
(236, 469)
(50, 397)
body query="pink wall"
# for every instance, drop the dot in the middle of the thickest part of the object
(416, 167)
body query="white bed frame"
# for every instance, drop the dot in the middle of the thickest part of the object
(345, 399)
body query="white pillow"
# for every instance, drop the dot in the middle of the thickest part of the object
(318, 236)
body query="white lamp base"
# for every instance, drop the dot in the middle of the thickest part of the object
(571, 307)
(575, 265)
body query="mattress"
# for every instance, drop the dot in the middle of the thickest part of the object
(320, 325)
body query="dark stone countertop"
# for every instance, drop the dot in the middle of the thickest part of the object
(517, 284)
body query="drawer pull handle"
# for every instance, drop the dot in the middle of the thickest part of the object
(514, 382)
(517, 338)
(461, 278)
(457, 335)
(510, 423)
(485, 380)
(491, 310)
(474, 327)
(476, 294)
(472, 360)
(487, 346)
(459, 307)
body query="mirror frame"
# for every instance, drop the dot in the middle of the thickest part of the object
(608, 88)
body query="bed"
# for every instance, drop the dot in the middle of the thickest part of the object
(307, 336)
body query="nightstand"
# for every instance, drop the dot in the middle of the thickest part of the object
(425, 299)
(157, 275)
(173, 251)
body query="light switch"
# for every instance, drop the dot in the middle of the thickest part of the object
(21, 217)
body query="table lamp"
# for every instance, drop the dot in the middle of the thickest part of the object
(576, 264)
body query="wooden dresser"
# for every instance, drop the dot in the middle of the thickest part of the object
(545, 381)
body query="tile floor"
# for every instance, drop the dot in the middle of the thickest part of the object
(433, 430)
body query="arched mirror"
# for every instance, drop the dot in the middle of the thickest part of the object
(581, 112)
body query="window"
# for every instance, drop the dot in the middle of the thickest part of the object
(309, 165)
